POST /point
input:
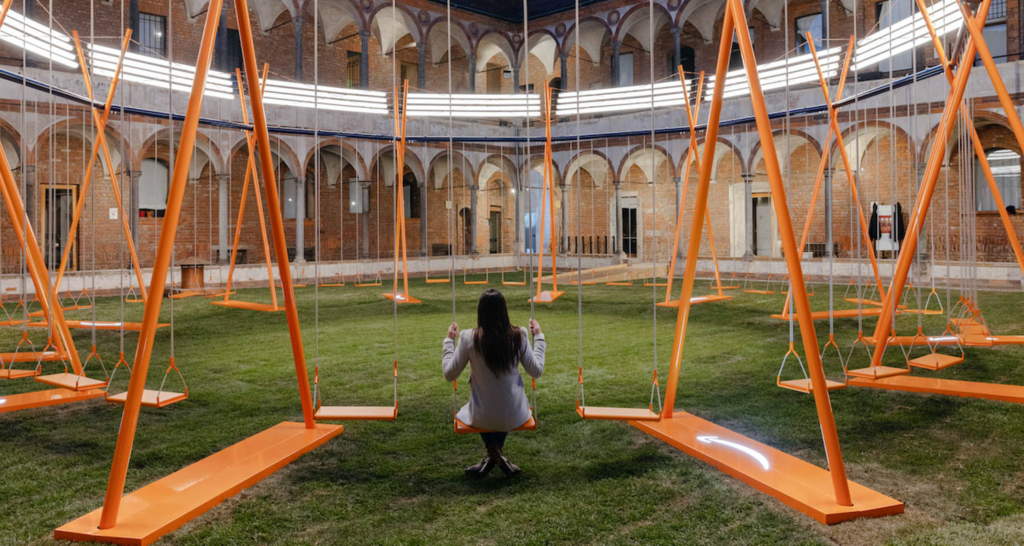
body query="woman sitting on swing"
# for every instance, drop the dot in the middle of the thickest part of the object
(494, 349)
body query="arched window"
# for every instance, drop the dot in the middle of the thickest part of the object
(153, 184)
(1005, 166)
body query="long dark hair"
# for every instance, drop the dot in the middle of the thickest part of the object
(495, 338)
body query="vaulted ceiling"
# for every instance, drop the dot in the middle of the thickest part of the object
(512, 10)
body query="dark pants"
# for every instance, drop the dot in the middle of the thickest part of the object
(494, 438)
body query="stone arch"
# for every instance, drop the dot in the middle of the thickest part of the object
(437, 39)
(640, 156)
(384, 163)
(636, 23)
(206, 151)
(84, 131)
(335, 15)
(702, 15)
(596, 164)
(336, 155)
(490, 44)
(439, 168)
(595, 32)
(543, 45)
(795, 140)
(390, 24)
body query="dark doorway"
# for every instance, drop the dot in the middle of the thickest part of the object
(495, 226)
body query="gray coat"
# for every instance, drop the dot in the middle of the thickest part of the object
(496, 403)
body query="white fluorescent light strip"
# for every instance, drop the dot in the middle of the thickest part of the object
(157, 72)
(906, 34)
(285, 93)
(478, 106)
(635, 97)
(38, 39)
(777, 74)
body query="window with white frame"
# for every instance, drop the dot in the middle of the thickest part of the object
(153, 183)
(1005, 166)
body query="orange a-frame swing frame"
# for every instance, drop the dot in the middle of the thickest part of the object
(826, 495)
(100, 143)
(691, 157)
(548, 188)
(250, 174)
(402, 297)
(61, 340)
(160, 507)
(876, 375)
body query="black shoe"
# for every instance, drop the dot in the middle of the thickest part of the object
(510, 469)
(481, 469)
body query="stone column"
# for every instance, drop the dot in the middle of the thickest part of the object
(364, 59)
(515, 197)
(30, 195)
(423, 219)
(679, 199)
(617, 237)
(421, 68)
(615, 62)
(472, 218)
(515, 79)
(133, 207)
(748, 215)
(133, 21)
(364, 187)
(828, 211)
(298, 24)
(676, 59)
(300, 217)
(472, 72)
(563, 61)
(563, 241)
(223, 198)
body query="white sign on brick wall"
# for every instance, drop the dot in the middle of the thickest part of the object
(113, 213)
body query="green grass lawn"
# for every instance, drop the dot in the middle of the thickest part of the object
(956, 463)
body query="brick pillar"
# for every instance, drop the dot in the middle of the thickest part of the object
(421, 68)
(298, 24)
(364, 186)
(615, 62)
(748, 216)
(472, 218)
(472, 72)
(679, 199)
(423, 218)
(676, 59)
(300, 217)
(223, 198)
(617, 237)
(133, 207)
(364, 59)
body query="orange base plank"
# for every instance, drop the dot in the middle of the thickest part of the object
(674, 304)
(402, 299)
(950, 387)
(39, 399)
(251, 306)
(547, 296)
(166, 504)
(796, 483)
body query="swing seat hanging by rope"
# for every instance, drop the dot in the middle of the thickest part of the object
(436, 280)
(487, 278)
(513, 283)
(607, 413)
(804, 385)
(360, 284)
(158, 398)
(621, 283)
(463, 428)
(767, 291)
(354, 413)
